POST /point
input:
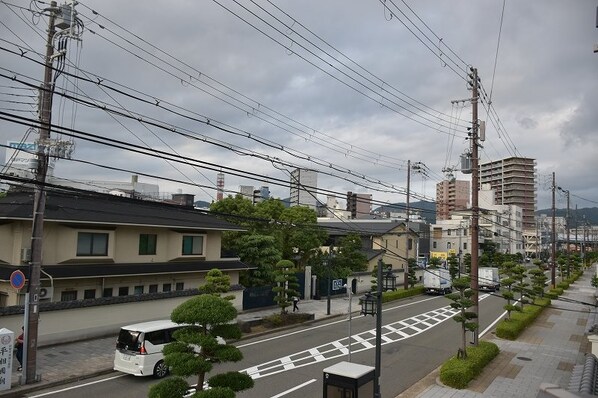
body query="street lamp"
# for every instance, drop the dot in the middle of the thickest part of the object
(389, 280)
(328, 266)
(346, 286)
(372, 305)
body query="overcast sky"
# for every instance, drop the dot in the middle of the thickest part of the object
(352, 89)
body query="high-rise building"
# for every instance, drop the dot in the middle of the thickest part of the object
(359, 204)
(304, 188)
(514, 182)
(451, 195)
(246, 191)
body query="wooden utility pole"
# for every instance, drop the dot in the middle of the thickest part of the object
(474, 200)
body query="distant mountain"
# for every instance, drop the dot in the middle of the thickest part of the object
(202, 204)
(590, 214)
(426, 209)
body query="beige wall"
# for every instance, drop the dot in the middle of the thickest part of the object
(189, 280)
(92, 322)
(60, 243)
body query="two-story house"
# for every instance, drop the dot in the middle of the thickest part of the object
(97, 245)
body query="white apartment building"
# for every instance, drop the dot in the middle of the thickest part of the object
(304, 188)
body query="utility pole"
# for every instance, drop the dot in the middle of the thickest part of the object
(553, 270)
(39, 205)
(474, 200)
(45, 149)
(406, 282)
(568, 226)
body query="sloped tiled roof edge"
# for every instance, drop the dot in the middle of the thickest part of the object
(74, 271)
(97, 208)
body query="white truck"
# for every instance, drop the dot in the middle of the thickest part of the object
(488, 279)
(437, 281)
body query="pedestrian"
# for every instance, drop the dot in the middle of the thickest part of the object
(19, 346)
(295, 301)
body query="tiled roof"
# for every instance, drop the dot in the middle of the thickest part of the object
(109, 210)
(584, 378)
(74, 271)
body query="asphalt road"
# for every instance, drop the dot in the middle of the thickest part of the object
(418, 335)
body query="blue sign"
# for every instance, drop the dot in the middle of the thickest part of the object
(17, 279)
(337, 284)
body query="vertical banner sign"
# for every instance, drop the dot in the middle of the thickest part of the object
(7, 340)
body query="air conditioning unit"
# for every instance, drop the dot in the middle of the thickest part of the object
(46, 293)
(25, 255)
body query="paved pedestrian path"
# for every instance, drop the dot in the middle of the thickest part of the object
(545, 353)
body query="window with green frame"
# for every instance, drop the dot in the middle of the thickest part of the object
(147, 244)
(192, 245)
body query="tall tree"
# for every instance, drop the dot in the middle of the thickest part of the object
(217, 283)
(348, 254)
(301, 235)
(411, 267)
(261, 251)
(507, 269)
(286, 284)
(461, 301)
(453, 266)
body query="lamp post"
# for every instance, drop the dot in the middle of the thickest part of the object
(328, 265)
(373, 306)
(346, 286)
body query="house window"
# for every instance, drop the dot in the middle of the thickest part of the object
(192, 245)
(153, 288)
(123, 291)
(448, 232)
(179, 286)
(434, 245)
(68, 295)
(92, 244)
(137, 290)
(409, 244)
(89, 294)
(464, 246)
(166, 287)
(147, 244)
(448, 245)
(107, 292)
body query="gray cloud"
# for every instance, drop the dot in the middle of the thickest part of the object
(544, 89)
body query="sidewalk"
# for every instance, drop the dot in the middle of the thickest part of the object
(545, 353)
(63, 363)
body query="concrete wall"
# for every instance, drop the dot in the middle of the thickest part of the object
(100, 321)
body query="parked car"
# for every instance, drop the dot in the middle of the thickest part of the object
(139, 348)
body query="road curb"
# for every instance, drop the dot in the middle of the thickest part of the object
(19, 391)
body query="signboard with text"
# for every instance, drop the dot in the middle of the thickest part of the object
(7, 341)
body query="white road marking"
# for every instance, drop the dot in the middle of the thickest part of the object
(78, 386)
(396, 331)
(293, 389)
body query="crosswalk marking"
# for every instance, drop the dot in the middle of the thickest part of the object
(393, 332)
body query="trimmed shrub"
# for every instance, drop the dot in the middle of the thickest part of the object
(401, 293)
(174, 387)
(510, 329)
(457, 372)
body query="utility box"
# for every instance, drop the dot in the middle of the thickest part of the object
(347, 379)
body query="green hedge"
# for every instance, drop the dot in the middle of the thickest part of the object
(401, 293)
(457, 373)
(510, 329)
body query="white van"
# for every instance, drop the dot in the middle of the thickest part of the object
(139, 348)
